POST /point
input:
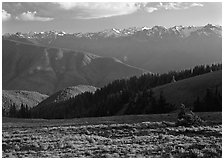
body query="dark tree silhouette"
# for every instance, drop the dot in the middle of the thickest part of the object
(212, 101)
(132, 96)
(12, 110)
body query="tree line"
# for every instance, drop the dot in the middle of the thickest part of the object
(211, 102)
(124, 96)
(22, 112)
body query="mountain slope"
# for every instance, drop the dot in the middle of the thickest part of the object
(149, 48)
(47, 70)
(18, 97)
(186, 91)
(134, 96)
(66, 94)
(54, 103)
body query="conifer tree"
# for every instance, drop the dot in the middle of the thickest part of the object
(197, 105)
(12, 110)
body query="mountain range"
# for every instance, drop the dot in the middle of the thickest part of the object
(152, 49)
(64, 65)
(47, 70)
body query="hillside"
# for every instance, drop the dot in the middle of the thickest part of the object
(186, 91)
(19, 97)
(48, 70)
(134, 96)
(66, 94)
(150, 48)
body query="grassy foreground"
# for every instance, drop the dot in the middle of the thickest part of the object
(119, 136)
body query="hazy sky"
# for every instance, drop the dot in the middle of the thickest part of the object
(91, 17)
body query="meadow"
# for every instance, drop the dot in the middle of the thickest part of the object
(117, 136)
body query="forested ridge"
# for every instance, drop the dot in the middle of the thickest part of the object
(133, 96)
(127, 96)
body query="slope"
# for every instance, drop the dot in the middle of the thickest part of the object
(149, 48)
(18, 97)
(55, 103)
(66, 94)
(47, 70)
(186, 91)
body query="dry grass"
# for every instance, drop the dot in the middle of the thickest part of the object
(143, 138)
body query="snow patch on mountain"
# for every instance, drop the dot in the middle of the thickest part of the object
(145, 28)
(115, 30)
(155, 31)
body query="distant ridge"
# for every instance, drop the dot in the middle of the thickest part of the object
(150, 48)
(48, 70)
(183, 31)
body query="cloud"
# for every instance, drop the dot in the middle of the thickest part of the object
(67, 5)
(178, 5)
(5, 15)
(31, 16)
(151, 9)
(88, 10)
(197, 5)
(171, 5)
(47, 11)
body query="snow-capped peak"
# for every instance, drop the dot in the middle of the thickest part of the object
(158, 28)
(178, 28)
(209, 26)
(61, 33)
(145, 28)
(116, 30)
(178, 31)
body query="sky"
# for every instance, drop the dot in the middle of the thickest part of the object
(98, 16)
